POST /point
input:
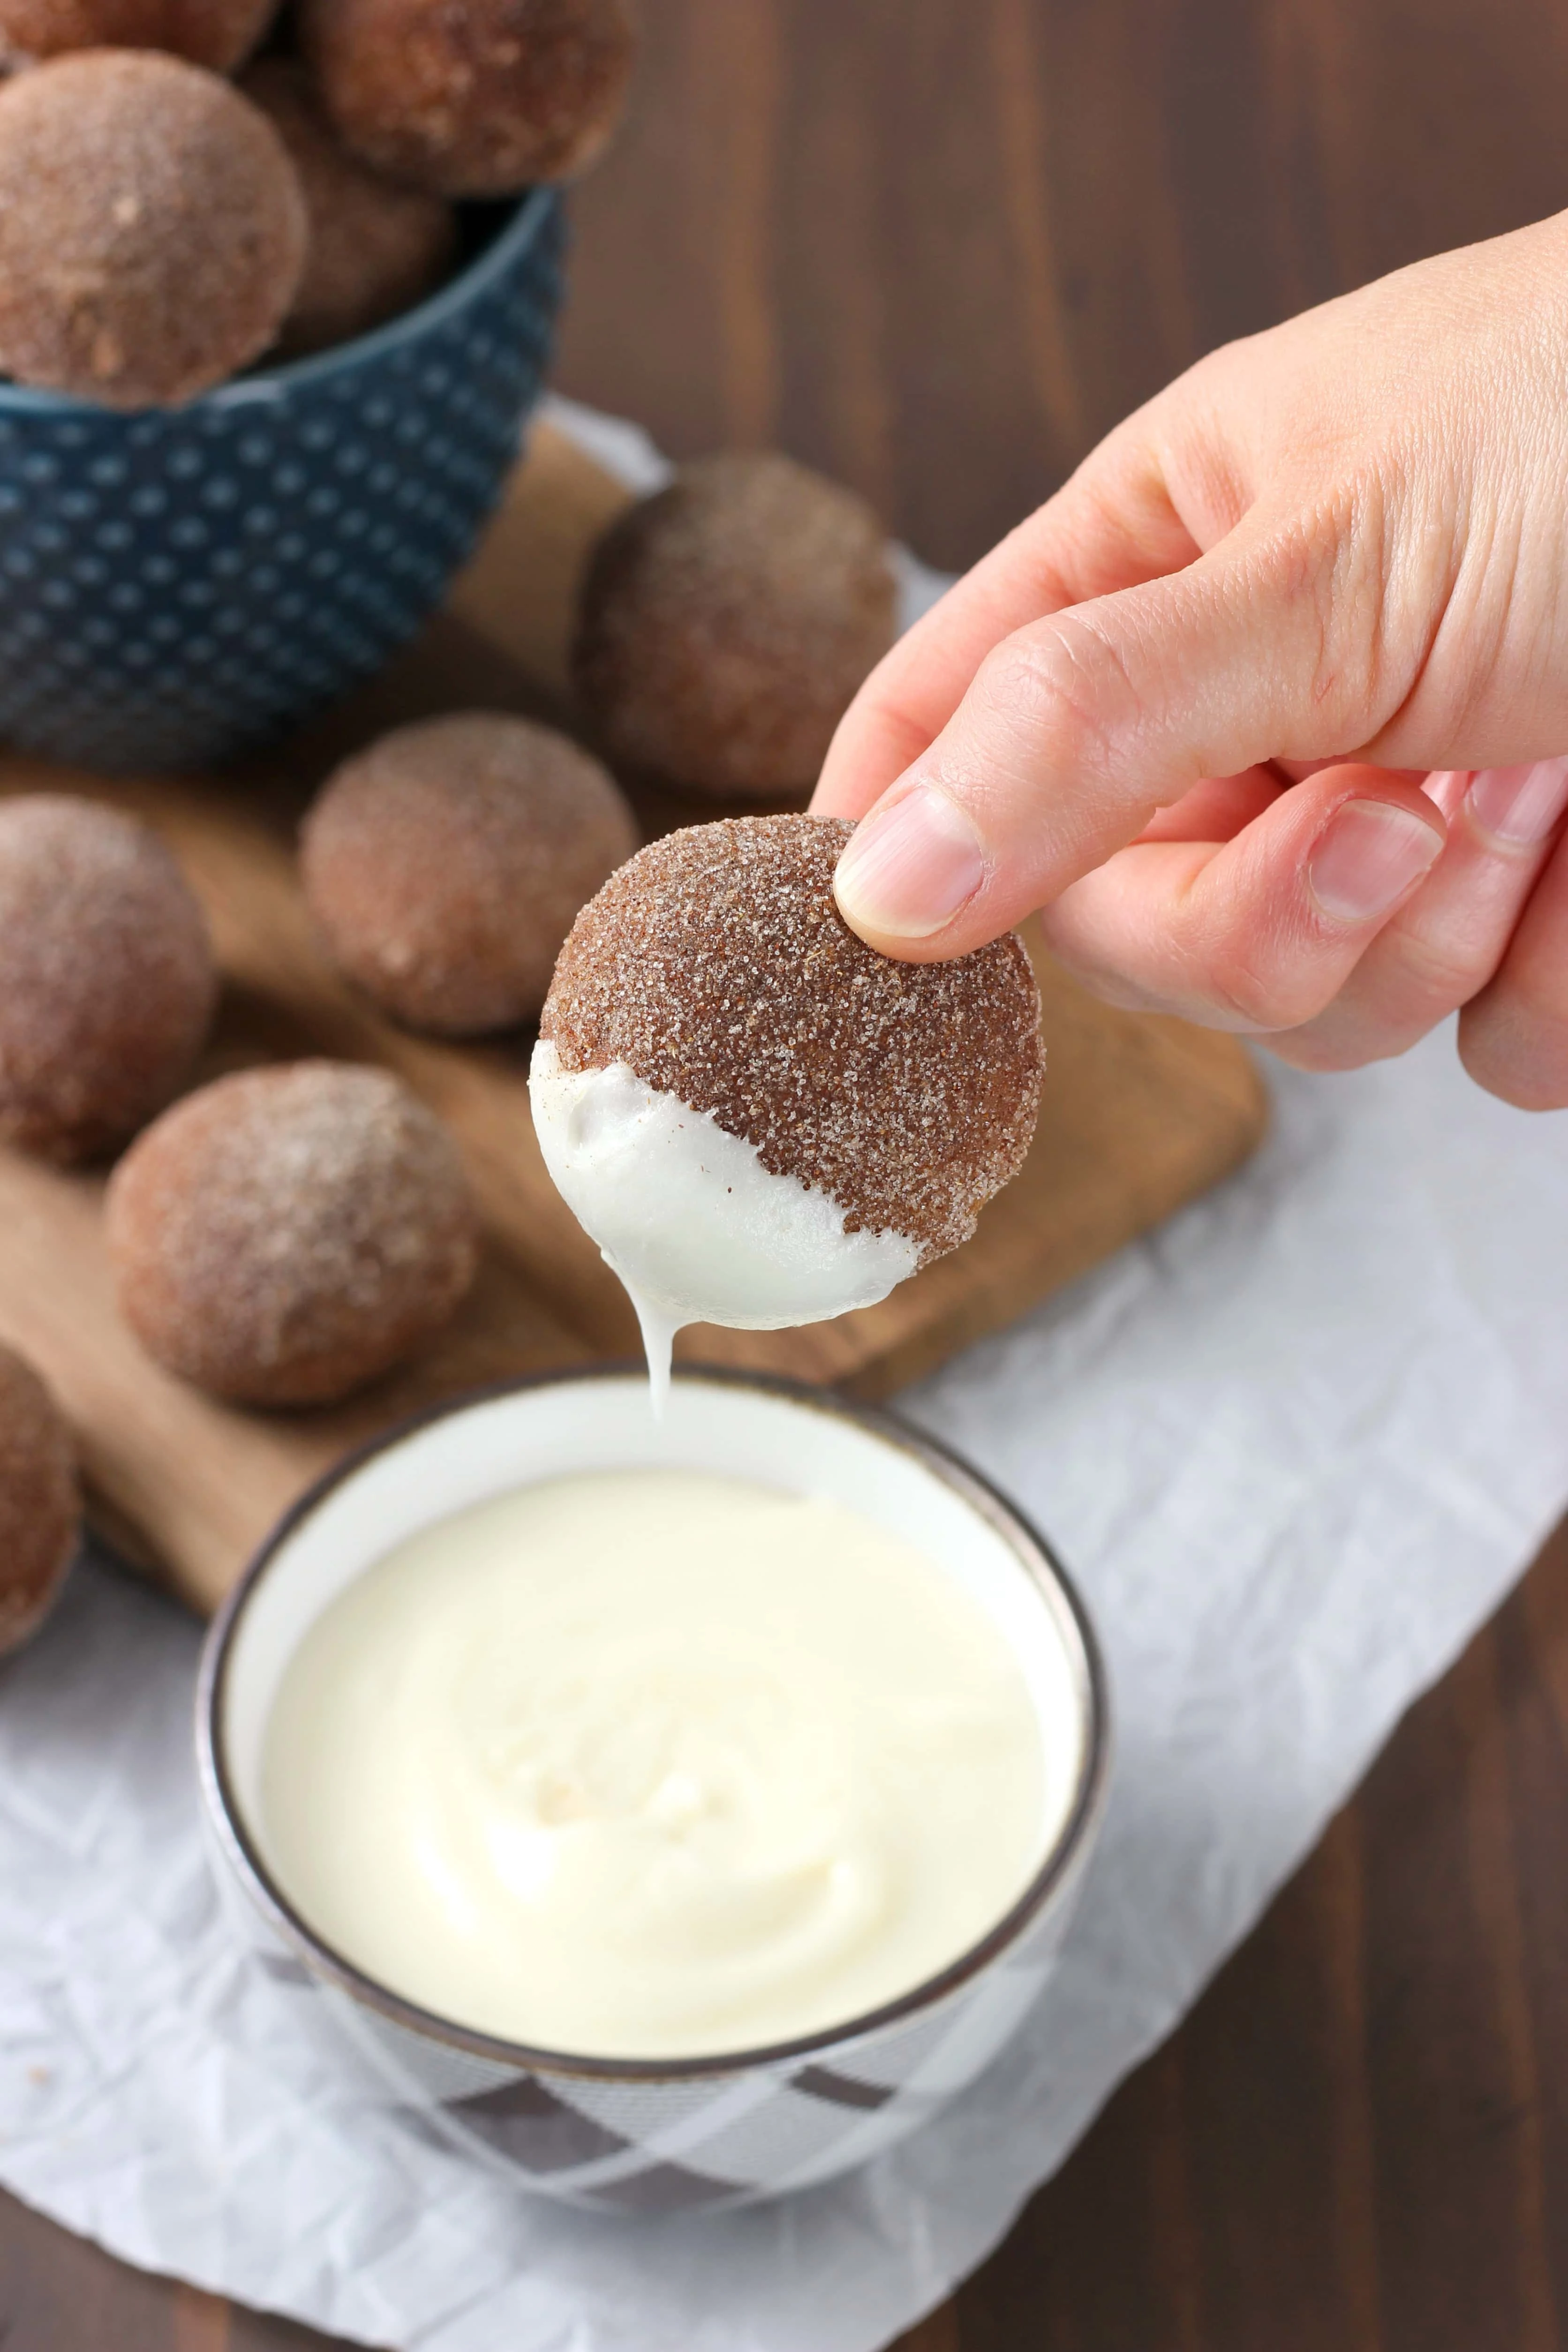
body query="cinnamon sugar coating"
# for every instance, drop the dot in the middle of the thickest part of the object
(107, 985)
(152, 228)
(725, 623)
(717, 966)
(472, 98)
(444, 866)
(218, 34)
(375, 248)
(286, 1234)
(40, 1509)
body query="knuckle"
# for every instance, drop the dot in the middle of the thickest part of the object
(1331, 562)
(1535, 986)
(1254, 993)
(1515, 1047)
(1444, 973)
(1520, 1080)
(1061, 681)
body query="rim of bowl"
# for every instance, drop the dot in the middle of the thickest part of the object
(266, 384)
(1034, 1557)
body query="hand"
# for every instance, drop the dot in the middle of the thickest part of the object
(1259, 708)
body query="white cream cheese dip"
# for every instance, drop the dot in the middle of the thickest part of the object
(656, 1764)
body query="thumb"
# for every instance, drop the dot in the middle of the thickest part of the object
(1076, 729)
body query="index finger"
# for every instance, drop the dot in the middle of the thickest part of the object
(1112, 526)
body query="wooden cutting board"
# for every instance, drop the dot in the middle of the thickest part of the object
(1140, 1115)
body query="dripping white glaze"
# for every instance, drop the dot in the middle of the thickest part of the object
(698, 1230)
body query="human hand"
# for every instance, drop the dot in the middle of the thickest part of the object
(1218, 709)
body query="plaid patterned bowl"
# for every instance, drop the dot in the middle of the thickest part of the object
(656, 2135)
(178, 583)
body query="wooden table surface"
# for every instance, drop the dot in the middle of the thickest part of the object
(936, 247)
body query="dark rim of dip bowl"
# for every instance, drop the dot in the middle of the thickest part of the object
(1034, 1556)
(259, 385)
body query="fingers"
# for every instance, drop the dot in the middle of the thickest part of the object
(1112, 525)
(1234, 935)
(1513, 1034)
(1259, 933)
(1446, 944)
(1216, 809)
(1078, 726)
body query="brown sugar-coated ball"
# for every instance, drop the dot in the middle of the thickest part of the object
(285, 1235)
(472, 98)
(40, 1510)
(375, 248)
(152, 228)
(727, 621)
(107, 985)
(214, 32)
(445, 866)
(718, 968)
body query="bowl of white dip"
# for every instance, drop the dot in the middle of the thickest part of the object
(678, 1813)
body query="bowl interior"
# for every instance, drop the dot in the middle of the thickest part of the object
(733, 1427)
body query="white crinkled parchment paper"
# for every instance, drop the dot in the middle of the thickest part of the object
(1295, 1447)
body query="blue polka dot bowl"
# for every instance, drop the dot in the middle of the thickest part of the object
(179, 584)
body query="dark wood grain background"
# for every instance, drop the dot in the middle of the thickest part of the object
(936, 247)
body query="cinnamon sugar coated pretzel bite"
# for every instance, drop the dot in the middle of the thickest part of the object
(153, 232)
(472, 98)
(760, 1119)
(375, 248)
(40, 1509)
(218, 34)
(725, 623)
(444, 866)
(286, 1234)
(106, 982)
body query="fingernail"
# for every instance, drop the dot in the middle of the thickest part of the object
(1367, 856)
(1519, 805)
(910, 867)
